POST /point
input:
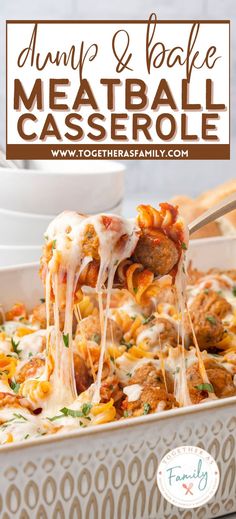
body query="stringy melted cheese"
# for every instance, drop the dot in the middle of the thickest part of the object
(67, 232)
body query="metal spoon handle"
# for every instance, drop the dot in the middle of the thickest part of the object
(223, 207)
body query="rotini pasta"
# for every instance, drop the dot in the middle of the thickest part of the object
(35, 390)
(7, 366)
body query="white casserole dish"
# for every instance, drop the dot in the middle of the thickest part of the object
(109, 471)
(19, 254)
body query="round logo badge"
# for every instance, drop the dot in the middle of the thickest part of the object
(188, 476)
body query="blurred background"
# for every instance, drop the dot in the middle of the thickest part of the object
(145, 181)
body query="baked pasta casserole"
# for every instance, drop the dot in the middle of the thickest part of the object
(125, 328)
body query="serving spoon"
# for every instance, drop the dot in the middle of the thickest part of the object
(223, 207)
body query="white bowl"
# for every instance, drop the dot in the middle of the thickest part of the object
(91, 187)
(25, 229)
(19, 254)
(22, 228)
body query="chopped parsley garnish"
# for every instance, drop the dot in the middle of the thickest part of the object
(14, 386)
(234, 291)
(56, 417)
(54, 244)
(206, 291)
(116, 263)
(77, 414)
(45, 236)
(184, 246)
(65, 337)
(112, 358)
(135, 290)
(15, 346)
(26, 436)
(148, 319)
(30, 354)
(42, 300)
(86, 408)
(96, 337)
(126, 414)
(20, 416)
(146, 408)
(128, 345)
(205, 387)
(211, 319)
(128, 374)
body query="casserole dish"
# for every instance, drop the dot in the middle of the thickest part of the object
(110, 470)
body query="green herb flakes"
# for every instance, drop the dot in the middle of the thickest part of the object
(96, 337)
(205, 387)
(66, 339)
(211, 319)
(146, 408)
(15, 386)
(15, 346)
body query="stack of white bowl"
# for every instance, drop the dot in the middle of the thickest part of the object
(31, 198)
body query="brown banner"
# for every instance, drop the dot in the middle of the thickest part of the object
(120, 152)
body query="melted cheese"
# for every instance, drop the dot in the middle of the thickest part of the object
(152, 333)
(133, 392)
(31, 344)
(67, 232)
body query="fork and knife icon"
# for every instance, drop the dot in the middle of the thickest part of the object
(188, 488)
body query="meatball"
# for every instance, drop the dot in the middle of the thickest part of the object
(39, 316)
(208, 329)
(110, 388)
(90, 242)
(211, 302)
(30, 369)
(149, 375)
(90, 329)
(10, 400)
(151, 399)
(153, 396)
(82, 377)
(220, 378)
(206, 311)
(156, 252)
(164, 332)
